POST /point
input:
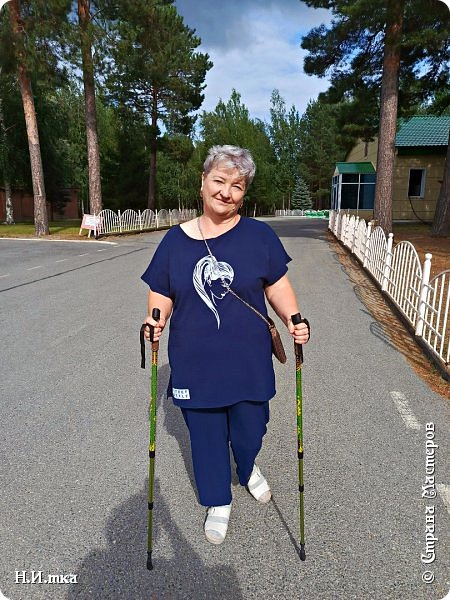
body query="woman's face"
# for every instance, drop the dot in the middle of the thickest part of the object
(222, 191)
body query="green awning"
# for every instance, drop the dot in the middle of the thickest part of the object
(354, 167)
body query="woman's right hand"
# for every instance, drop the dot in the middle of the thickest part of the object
(158, 328)
(165, 305)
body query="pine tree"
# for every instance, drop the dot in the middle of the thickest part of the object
(30, 47)
(15, 160)
(156, 71)
(301, 198)
(441, 220)
(397, 46)
(93, 151)
(388, 114)
(37, 172)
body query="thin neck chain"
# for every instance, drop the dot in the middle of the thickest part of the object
(203, 237)
(232, 225)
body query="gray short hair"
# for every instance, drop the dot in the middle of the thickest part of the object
(231, 157)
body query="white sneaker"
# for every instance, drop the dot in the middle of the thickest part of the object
(258, 486)
(216, 523)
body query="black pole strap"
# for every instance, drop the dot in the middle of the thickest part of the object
(142, 340)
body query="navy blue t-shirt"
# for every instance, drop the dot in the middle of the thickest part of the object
(219, 350)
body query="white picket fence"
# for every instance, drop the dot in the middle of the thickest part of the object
(397, 269)
(296, 212)
(110, 222)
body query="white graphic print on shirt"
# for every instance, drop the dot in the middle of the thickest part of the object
(212, 278)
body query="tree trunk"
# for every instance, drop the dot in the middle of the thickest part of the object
(95, 189)
(153, 146)
(388, 116)
(37, 172)
(9, 215)
(441, 221)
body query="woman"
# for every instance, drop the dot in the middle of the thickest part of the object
(222, 375)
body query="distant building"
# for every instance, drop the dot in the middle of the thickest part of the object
(421, 146)
(353, 186)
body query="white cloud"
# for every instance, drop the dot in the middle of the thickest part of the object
(255, 48)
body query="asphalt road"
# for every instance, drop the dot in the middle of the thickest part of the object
(74, 462)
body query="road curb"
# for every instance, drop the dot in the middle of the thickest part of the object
(32, 239)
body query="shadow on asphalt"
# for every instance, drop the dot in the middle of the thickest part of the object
(286, 526)
(379, 331)
(119, 570)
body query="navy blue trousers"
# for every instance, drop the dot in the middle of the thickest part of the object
(212, 431)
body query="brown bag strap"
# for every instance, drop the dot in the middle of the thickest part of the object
(266, 320)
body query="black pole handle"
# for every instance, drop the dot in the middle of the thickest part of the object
(156, 314)
(296, 319)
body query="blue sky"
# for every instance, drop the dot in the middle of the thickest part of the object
(255, 47)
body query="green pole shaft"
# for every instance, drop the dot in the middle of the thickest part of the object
(300, 451)
(298, 389)
(152, 447)
(152, 439)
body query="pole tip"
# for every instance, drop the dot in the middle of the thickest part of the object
(149, 561)
(302, 552)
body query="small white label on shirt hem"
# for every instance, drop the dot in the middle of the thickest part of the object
(180, 394)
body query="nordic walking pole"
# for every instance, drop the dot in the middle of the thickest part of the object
(296, 319)
(151, 447)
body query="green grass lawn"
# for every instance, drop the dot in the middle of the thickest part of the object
(57, 228)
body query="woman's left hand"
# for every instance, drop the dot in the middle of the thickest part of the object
(299, 332)
(282, 299)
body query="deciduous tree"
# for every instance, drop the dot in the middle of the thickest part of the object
(319, 149)
(5, 154)
(285, 133)
(230, 123)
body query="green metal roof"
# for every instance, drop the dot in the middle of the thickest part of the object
(427, 130)
(354, 167)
